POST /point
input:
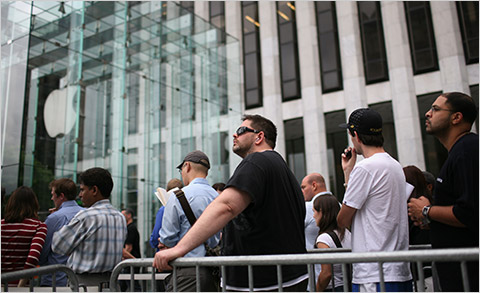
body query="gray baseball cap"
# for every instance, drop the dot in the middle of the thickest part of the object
(198, 157)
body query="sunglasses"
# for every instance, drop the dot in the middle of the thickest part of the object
(241, 130)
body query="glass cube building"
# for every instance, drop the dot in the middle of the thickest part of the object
(127, 86)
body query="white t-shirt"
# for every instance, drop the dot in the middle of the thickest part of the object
(376, 188)
(337, 268)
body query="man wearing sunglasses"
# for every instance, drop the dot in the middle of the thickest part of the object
(261, 206)
(453, 215)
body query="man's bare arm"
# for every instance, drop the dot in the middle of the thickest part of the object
(224, 208)
(345, 216)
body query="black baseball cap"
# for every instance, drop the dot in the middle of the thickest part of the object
(364, 121)
(196, 157)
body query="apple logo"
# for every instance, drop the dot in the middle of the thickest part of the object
(58, 113)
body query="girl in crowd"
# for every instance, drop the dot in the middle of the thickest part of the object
(325, 211)
(23, 235)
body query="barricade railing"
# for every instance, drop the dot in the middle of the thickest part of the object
(321, 256)
(31, 273)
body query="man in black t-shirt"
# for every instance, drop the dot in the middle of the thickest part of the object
(263, 209)
(131, 247)
(453, 217)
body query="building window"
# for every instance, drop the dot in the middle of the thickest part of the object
(188, 7)
(468, 18)
(217, 18)
(337, 141)
(388, 127)
(132, 188)
(133, 95)
(287, 38)
(295, 144)
(434, 152)
(474, 95)
(373, 43)
(329, 49)
(252, 66)
(420, 33)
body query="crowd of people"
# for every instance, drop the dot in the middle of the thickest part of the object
(263, 210)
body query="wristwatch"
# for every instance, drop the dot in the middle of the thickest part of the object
(425, 211)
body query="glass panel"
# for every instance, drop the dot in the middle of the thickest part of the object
(108, 84)
(468, 18)
(373, 44)
(421, 37)
(295, 144)
(336, 143)
(328, 47)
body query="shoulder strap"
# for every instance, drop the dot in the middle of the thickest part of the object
(335, 238)
(186, 206)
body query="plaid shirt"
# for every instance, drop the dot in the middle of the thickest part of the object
(94, 239)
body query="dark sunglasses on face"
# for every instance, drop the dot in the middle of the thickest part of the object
(241, 130)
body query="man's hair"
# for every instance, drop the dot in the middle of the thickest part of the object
(130, 212)
(97, 177)
(65, 186)
(460, 102)
(175, 182)
(368, 139)
(219, 186)
(263, 124)
(22, 204)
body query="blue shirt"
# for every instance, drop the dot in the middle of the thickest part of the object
(54, 222)
(156, 228)
(93, 239)
(175, 223)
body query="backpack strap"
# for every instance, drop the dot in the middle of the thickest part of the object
(186, 206)
(335, 239)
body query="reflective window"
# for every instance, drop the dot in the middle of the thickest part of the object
(337, 141)
(388, 127)
(373, 43)
(329, 50)
(468, 18)
(287, 38)
(474, 95)
(217, 18)
(252, 66)
(422, 39)
(295, 145)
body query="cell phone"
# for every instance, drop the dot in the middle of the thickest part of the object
(348, 154)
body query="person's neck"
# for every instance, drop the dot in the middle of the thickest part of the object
(452, 137)
(368, 151)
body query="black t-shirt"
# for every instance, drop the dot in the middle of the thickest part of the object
(457, 185)
(133, 238)
(272, 224)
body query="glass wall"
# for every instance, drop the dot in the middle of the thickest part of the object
(126, 86)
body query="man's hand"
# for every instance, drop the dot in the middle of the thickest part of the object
(348, 163)
(415, 206)
(163, 257)
(52, 210)
(161, 246)
(126, 254)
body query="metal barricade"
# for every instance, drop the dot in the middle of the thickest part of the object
(30, 273)
(324, 257)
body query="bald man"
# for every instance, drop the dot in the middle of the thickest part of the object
(313, 186)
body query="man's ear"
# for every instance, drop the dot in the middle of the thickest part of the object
(314, 185)
(457, 118)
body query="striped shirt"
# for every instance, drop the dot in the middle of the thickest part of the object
(22, 244)
(93, 239)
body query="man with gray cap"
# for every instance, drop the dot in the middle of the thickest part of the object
(374, 204)
(199, 194)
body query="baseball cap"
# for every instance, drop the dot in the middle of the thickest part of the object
(364, 121)
(196, 157)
